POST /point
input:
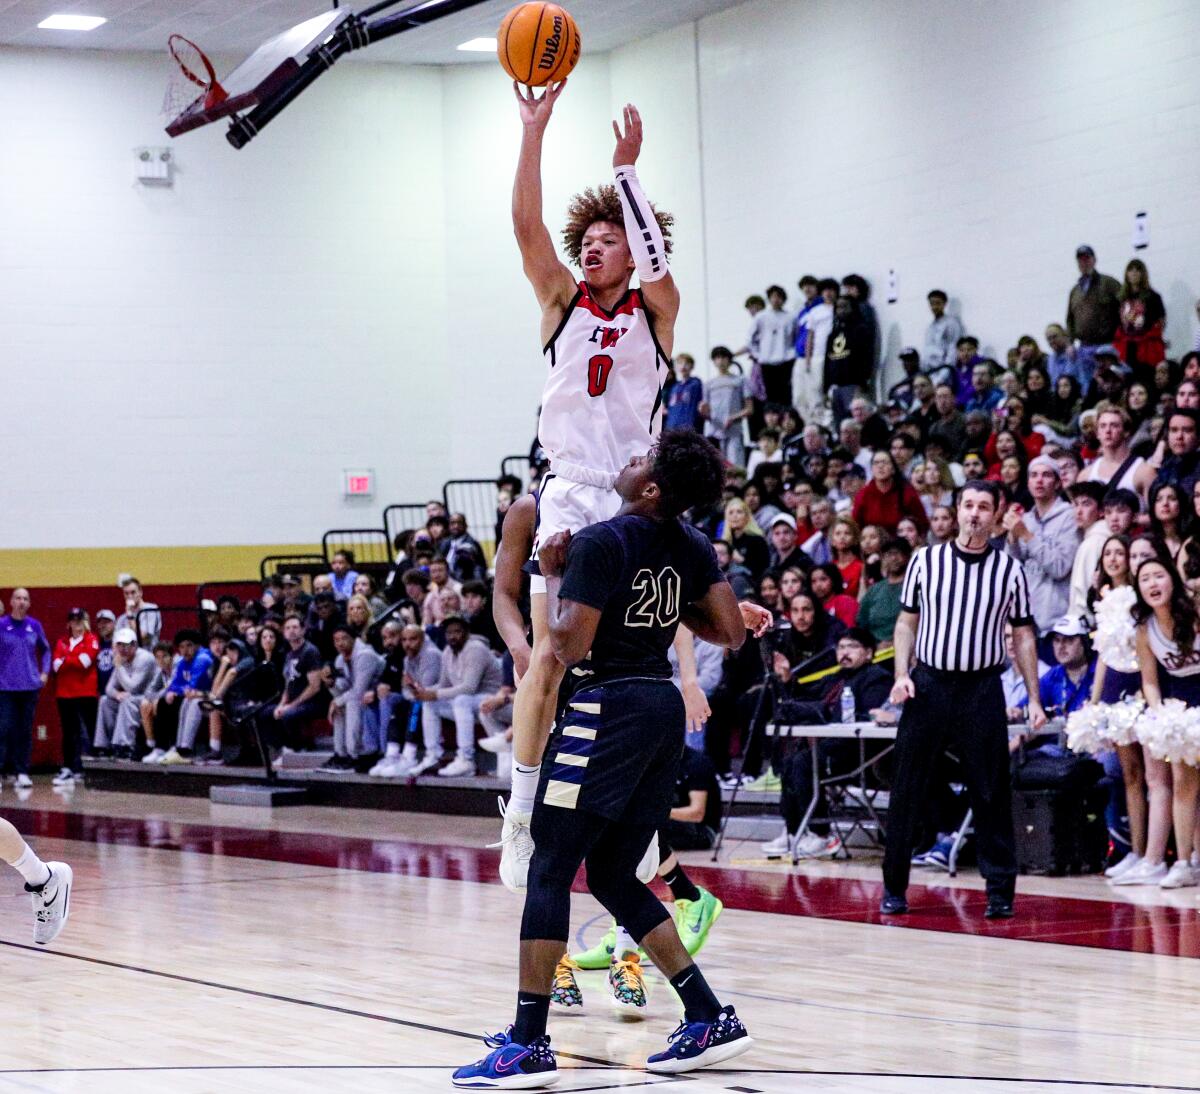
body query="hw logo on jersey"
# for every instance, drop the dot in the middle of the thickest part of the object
(607, 336)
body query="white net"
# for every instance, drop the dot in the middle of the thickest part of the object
(192, 80)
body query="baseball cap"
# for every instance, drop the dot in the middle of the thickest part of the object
(1084, 249)
(784, 518)
(290, 579)
(104, 613)
(909, 353)
(75, 613)
(1070, 626)
(125, 634)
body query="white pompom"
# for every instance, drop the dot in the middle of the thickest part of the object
(1115, 639)
(1171, 732)
(1086, 728)
(1122, 721)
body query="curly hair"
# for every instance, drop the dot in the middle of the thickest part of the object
(688, 471)
(602, 204)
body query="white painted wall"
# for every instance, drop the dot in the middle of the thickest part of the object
(346, 291)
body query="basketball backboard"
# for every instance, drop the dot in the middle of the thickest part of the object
(267, 69)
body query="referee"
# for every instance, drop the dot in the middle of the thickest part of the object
(954, 604)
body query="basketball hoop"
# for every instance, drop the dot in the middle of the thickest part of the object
(194, 81)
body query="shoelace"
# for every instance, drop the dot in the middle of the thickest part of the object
(627, 977)
(564, 974)
(498, 1040)
(518, 832)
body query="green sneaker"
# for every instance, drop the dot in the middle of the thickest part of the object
(600, 955)
(767, 782)
(694, 919)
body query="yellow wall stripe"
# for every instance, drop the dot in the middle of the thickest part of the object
(75, 566)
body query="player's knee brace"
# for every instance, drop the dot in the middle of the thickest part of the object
(547, 911)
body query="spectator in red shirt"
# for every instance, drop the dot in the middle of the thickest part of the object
(74, 665)
(887, 497)
(846, 554)
(829, 588)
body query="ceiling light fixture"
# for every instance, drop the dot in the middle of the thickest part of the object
(72, 22)
(479, 45)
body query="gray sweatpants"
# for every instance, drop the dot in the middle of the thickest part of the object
(118, 720)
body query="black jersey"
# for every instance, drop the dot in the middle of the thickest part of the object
(640, 574)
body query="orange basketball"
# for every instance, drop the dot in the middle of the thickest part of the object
(538, 44)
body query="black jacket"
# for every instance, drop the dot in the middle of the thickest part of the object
(871, 686)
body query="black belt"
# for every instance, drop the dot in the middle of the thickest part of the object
(962, 674)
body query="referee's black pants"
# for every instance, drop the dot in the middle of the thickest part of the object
(963, 711)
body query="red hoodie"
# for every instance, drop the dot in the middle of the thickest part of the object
(75, 677)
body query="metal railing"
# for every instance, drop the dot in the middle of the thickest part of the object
(303, 566)
(170, 619)
(245, 591)
(518, 466)
(370, 548)
(476, 500)
(403, 516)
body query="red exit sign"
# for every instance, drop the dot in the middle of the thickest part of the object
(359, 484)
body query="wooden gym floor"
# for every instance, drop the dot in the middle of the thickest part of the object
(326, 950)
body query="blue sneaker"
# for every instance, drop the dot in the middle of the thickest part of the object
(699, 1044)
(511, 1066)
(938, 856)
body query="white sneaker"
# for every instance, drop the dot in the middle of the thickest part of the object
(174, 757)
(1144, 873)
(23, 782)
(66, 775)
(496, 742)
(383, 768)
(810, 845)
(457, 768)
(52, 903)
(780, 846)
(404, 765)
(154, 756)
(1123, 867)
(517, 844)
(427, 764)
(1183, 875)
(647, 869)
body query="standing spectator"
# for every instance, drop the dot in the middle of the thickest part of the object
(343, 575)
(888, 497)
(772, 344)
(1087, 500)
(942, 334)
(24, 669)
(685, 396)
(820, 324)
(106, 623)
(810, 289)
(858, 289)
(1139, 336)
(1062, 360)
(135, 676)
(902, 391)
(470, 673)
(849, 364)
(726, 405)
(356, 670)
(923, 411)
(74, 663)
(1045, 539)
(140, 616)
(806, 393)
(1093, 311)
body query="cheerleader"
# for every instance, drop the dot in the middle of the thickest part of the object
(1168, 649)
(1118, 681)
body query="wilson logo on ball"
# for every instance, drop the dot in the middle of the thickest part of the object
(538, 44)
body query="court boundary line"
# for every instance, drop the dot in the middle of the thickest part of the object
(273, 997)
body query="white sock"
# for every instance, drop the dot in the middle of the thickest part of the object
(625, 943)
(31, 868)
(524, 787)
(410, 751)
(393, 750)
(214, 744)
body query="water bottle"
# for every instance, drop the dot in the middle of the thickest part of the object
(847, 705)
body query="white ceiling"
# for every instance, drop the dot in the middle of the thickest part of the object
(232, 27)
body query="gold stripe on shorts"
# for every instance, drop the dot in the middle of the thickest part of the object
(579, 731)
(571, 760)
(562, 794)
(586, 708)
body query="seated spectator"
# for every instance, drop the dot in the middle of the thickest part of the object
(763, 512)
(1121, 508)
(887, 497)
(295, 599)
(908, 531)
(470, 673)
(950, 424)
(966, 357)
(359, 617)
(1068, 685)
(769, 595)
(236, 662)
(462, 551)
(364, 586)
(874, 431)
(880, 605)
(745, 538)
(738, 576)
(1012, 415)
(74, 666)
(386, 712)
(343, 575)
(934, 483)
(870, 686)
(870, 542)
(496, 714)
(229, 609)
(437, 528)
(416, 590)
(136, 675)
(943, 525)
(190, 680)
(816, 545)
(767, 450)
(695, 818)
(785, 552)
(477, 610)
(356, 671)
(813, 633)
(140, 616)
(303, 682)
(1016, 694)
(829, 588)
(323, 616)
(846, 553)
(904, 450)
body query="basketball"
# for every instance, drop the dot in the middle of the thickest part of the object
(538, 44)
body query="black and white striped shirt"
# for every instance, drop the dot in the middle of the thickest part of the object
(964, 600)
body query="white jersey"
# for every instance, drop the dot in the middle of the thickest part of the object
(603, 396)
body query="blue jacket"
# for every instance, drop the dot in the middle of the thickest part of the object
(683, 403)
(194, 675)
(1059, 696)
